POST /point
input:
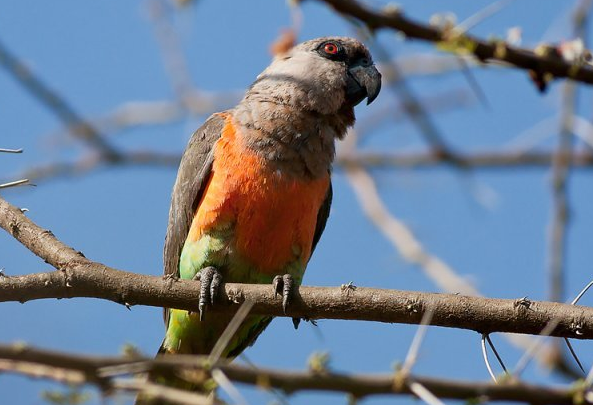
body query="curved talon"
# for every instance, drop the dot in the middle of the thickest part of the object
(210, 281)
(283, 285)
(277, 285)
(287, 291)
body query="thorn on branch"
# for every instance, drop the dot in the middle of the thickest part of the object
(236, 297)
(169, 279)
(348, 288)
(523, 302)
(577, 328)
(414, 307)
(66, 277)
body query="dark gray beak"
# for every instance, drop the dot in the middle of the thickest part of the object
(364, 80)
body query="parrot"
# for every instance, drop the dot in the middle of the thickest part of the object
(253, 190)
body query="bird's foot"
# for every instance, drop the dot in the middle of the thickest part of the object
(284, 285)
(210, 281)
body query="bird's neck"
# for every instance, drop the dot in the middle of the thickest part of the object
(297, 142)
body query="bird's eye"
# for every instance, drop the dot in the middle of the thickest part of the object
(330, 48)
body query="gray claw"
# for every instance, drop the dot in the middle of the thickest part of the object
(210, 281)
(287, 291)
(277, 285)
(283, 285)
(215, 286)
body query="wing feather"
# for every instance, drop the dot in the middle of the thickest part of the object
(322, 216)
(192, 176)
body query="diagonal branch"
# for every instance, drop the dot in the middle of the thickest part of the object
(54, 102)
(544, 63)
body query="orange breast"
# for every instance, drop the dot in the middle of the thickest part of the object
(273, 216)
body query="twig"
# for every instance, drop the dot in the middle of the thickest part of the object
(226, 384)
(486, 338)
(421, 392)
(537, 344)
(400, 236)
(560, 174)
(561, 170)
(568, 344)
(158, 391)
(481, 15)
(14, 183)
(414, 110)
(574, 355)
(583, 291)
(412, 355)
(229, 332)
(496, 354)
(485, 357)
(171, 52)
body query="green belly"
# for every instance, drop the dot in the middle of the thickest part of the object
(186, 333)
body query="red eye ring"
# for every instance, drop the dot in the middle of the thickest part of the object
(330, 48)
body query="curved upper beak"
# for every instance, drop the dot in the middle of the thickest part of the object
(363, 81)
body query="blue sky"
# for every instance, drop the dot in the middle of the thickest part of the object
(101, 54)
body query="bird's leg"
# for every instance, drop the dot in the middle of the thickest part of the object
(284, 285)
(210, 281)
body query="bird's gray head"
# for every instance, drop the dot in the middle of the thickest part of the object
(325, 75)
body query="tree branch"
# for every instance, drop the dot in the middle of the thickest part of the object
(80, 277)
(56, 104)
(499, 160)
(544, 63)
(101, 371)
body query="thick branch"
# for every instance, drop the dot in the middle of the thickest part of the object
(484, 50)
(80, 277)
(101, 371)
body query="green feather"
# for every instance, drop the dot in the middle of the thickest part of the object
(185, 332)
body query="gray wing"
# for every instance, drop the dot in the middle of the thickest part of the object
(192, 176)
(322, 216)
